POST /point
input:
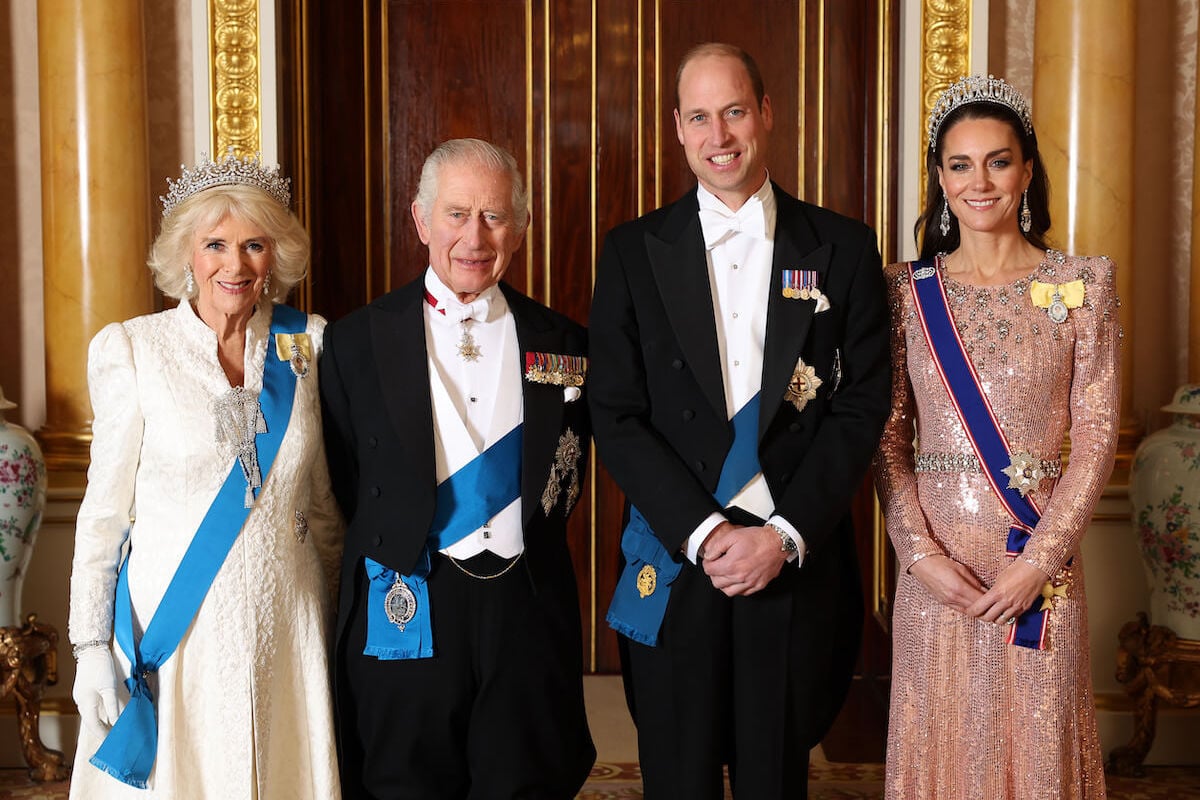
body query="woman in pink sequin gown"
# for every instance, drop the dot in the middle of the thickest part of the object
(973, 717)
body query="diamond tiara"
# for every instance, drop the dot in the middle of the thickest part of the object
(978, 89)
(229, 171)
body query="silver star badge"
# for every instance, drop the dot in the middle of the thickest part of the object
(1024, 473)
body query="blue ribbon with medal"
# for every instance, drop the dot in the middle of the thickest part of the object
(985, 434)
(129, 750)
(398, 621)
(640, 600)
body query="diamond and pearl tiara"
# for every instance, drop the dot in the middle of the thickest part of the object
(978, 89)
(229, 171)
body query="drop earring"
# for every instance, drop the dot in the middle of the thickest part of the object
(189, 283)
(266, 285)
(1026, 216)
(945, 221)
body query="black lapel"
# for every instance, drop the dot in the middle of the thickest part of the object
(788, 320)
(398, 343)
(680, 268)
(543, 402)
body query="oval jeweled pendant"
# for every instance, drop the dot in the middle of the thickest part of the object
(400, 604)
(1057, 310)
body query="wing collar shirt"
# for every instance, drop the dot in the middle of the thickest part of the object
(475, 403)
(740, 246)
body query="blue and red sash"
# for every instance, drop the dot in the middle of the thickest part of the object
(638, 607)
(129, 750)
(982, 428)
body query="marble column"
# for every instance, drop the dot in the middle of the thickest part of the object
(95, 198)
(1083, 106)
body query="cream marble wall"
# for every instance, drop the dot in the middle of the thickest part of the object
(21, 351)
(168, 50)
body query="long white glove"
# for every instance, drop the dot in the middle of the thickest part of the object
(95, 690)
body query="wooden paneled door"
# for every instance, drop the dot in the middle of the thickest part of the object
(582, 93)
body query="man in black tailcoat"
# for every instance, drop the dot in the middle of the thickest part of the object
(739, 383)
(456, 430)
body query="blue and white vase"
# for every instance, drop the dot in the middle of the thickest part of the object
(22, 500)
(1165, 493)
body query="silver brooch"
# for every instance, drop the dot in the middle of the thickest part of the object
(1024, 472)
(400, 604)
(565, 467)
(1058, 309)
(238, 419)
(300, 527)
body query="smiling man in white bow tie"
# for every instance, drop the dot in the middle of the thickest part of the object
(739, 384)
(456, 430)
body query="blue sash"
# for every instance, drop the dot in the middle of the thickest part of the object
(466, 500)
(128, 751)
(982, 429)
(640, 600)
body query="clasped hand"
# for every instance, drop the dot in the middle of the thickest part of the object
(953, 585)
(741, 560)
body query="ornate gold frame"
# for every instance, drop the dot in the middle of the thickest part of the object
(234, 62)
(945, 56)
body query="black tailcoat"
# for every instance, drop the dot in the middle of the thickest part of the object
(379, 433)
(660, 425)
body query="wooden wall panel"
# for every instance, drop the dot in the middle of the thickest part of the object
(448, 76)
(582, 93)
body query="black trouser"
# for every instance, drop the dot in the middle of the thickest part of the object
(496, 714)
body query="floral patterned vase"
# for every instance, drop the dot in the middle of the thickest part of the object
(1165, 493)
(22, 499)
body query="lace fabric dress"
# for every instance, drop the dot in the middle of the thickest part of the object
(972, 717)
(244, 708)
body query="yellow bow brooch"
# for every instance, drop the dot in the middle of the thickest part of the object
(1056, 298)
(296, 349)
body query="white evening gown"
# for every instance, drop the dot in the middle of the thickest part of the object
(244, 708)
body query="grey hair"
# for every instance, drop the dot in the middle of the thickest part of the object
(471, 151)
(172, 249)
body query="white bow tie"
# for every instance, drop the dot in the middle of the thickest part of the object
(719, 225)
(453, 311)
(477, 310)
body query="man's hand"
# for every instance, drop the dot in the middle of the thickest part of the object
(742, 561)
(950, 583)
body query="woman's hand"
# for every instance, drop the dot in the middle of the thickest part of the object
(95, 690)
(1014, 591)
(950, 583)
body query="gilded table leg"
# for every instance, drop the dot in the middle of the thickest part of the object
(29, 662)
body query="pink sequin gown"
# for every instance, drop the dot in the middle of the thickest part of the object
(972, 717)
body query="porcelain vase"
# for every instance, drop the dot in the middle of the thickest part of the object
(22, 500)
(1165, 494)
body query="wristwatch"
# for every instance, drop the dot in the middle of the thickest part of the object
(786, 543)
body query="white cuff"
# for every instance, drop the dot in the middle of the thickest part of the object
(697, 537)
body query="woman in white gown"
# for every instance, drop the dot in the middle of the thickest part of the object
(242, 702)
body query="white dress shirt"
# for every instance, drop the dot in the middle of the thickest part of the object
(740, 246)
(475, 403)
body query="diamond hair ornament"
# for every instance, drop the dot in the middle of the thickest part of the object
(229, 171)
(978, 89)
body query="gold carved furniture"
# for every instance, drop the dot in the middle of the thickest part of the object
(28, 664)
(1155, 666)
